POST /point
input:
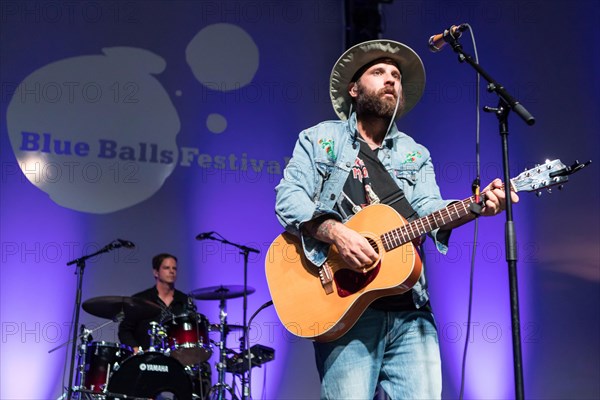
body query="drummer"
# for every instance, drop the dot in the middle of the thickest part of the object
(134, 332)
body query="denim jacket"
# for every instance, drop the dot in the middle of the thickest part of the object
(314, 179)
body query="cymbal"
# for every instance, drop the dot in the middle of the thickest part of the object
(111, 306)
(220, 292)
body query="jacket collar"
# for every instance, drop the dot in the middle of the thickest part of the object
(352, 122)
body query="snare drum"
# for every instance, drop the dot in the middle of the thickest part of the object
(187, 338)
(150, 375)
(101, 358)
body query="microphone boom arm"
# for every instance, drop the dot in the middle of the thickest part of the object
(244, 249)
(493, 86)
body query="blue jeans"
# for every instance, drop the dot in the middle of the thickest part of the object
(398, 350)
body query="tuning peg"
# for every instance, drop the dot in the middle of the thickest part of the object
(538, 194)
(550, 190)
(560, 187)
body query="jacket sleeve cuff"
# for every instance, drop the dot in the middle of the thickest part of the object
(441, 239)
(314, 249)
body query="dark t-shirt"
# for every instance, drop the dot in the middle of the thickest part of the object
(370, 183)
(135, 333)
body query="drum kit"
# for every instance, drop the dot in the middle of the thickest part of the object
(176, 364)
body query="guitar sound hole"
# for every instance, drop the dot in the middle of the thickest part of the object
(349, 282)
(373, 245)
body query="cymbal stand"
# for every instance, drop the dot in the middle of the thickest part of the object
(245, 251)
(85, 337)
(219, 390)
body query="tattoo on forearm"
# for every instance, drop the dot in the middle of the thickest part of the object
(324, 228)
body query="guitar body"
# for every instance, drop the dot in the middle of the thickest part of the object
(307, 309)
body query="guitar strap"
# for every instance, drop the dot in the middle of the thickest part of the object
(384, 186)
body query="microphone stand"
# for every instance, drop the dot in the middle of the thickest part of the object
(80, 264)
(506, 103)
(245, 251)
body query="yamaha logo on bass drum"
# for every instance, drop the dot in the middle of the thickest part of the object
(154, 367)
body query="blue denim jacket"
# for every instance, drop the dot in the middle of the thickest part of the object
(314, 179)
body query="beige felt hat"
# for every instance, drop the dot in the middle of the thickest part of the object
(409, 63)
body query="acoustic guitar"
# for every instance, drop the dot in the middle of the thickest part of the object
(323, 303)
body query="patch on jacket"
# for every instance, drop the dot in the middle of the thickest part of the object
(327, 145)
(412, 156)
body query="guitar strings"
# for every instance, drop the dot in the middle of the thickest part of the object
(406, 233)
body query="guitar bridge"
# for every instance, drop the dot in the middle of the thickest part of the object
(326, 277)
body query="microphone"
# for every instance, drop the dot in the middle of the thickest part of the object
(437, 42)
(126, 243)
(204, 235)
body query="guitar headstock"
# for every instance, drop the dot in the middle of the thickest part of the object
(540, 177)
(552, 173)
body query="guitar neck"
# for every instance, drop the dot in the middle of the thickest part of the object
(542, 176)
(406, 233)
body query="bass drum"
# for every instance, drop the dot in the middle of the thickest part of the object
(150, 375)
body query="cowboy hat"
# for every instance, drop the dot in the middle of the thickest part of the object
(342, 74)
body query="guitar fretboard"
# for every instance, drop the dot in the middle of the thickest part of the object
(404, 234)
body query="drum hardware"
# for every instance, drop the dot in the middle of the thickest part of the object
(228, 328)
(222, 293)
(220, 388)
(157, 337)
(201, 379)
(85, 336)
(238, 364)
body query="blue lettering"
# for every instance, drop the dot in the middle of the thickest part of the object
(30, 141)
(107, 149)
